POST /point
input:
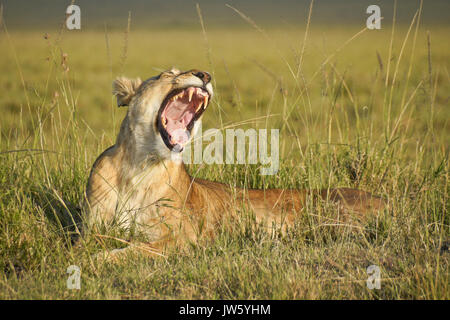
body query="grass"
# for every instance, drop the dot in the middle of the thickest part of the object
(365, 109)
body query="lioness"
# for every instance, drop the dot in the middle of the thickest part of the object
(142, 181)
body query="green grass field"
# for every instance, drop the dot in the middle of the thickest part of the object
(355, 108)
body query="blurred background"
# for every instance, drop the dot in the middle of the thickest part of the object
(182, 13)
(326, 80)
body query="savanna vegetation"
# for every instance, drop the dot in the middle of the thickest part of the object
(355, 108)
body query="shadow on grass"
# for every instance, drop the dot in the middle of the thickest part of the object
(65, 215)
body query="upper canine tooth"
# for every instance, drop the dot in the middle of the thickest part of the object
(206, 100)
(190, 92)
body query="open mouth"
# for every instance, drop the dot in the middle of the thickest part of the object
(178, 113)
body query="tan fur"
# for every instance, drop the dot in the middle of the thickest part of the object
(138, 182)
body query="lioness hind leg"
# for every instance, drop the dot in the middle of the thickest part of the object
(356, 201)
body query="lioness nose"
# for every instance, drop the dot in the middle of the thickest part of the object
(202, 75)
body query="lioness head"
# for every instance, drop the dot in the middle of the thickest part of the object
(164, 111)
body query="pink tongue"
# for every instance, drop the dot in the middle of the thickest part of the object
(177, 113)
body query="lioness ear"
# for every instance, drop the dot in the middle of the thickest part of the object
(124, 89)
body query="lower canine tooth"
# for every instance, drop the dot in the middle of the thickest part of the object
(205, 101)
(199, 106)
